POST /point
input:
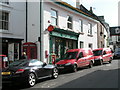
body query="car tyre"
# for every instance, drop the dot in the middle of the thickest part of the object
(90, 64)
(101, 62)
(31, 80)
(55, 73)
(74, 68)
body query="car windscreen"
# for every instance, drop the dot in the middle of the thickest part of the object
(97, 52)
(19, 63)
(70, 55)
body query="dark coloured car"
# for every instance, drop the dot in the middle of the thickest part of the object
(117, 53)
(28, 72)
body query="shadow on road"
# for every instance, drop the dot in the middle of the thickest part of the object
(97, 79)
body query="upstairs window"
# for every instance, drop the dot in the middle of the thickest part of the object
(54, 17)
(69, 22)
(4, 1)
(90, 28)
(80, 26)
(4, 20)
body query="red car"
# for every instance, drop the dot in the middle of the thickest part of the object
(76, 58)
(102, 55)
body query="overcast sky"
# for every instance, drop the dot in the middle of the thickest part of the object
(108, 8)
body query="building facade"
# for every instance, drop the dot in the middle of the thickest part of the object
(12, 28)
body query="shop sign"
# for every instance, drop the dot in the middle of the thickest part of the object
(50, 28)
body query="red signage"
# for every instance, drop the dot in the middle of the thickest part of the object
(50, 28)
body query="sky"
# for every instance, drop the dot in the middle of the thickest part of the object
(106, 8)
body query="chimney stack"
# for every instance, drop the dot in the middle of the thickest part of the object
(78, 4)
(91, 9)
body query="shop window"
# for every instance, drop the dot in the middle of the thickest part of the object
(4, 20)
(16, 51)
(69, 22)
(54, 17)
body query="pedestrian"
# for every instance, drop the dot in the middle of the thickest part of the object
(24, 56)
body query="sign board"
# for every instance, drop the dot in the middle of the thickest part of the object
(115, 31)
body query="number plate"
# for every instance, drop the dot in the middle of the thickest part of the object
(60, 67)
(5, 73)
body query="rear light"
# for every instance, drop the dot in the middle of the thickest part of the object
(20, 71)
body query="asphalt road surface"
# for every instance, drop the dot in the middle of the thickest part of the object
(100, 76)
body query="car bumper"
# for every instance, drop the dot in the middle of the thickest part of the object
(65, 68)
(14, 78)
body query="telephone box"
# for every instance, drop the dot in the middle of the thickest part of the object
(30, 49)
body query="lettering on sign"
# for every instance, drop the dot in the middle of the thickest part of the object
(117, 30)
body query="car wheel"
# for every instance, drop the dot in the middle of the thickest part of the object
(110, 60)
(31, 79)
(101, 62)
(55, 73)
(90, 64)
(74, 68)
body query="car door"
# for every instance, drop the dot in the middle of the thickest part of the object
(80, 59)
(37, 67)
(105, 56)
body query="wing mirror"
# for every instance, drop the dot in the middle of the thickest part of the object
(44, 64)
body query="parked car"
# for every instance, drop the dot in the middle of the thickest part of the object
(102, 55)
(76, 58)
(28, 72)
(117, 53)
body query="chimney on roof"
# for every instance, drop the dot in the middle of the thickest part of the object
(78, 4)
(91, 10)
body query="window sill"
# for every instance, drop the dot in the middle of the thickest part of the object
(81, 33)
(90, 35)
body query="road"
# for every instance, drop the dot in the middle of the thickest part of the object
(100, 76)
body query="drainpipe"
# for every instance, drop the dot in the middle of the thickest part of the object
(26, 19)
(41, 30)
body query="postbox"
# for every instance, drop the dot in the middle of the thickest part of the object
(3, 61)
(53, 58)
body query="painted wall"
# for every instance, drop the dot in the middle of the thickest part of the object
(17, 20)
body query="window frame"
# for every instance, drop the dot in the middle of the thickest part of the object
(4, 20)
(54, 17)
(69, 22)
(81, 25)
(90, 29)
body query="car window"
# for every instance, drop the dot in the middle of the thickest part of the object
(97, 52)
(35, 62)
(70, 55)
(104, 52)
(80, 55)
(19, 62)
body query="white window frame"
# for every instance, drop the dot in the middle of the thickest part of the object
(68, 22)
(54, 17)
(4, 21)
(90, 28)
(80, 25)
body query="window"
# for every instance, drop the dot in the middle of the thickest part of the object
(90, 28)
(4, 20)
(90, 45)
(80, 26)
(54, 17)
(35, 62)
(81, 44)
(69, 22)
(118, 38)
(4, 1)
